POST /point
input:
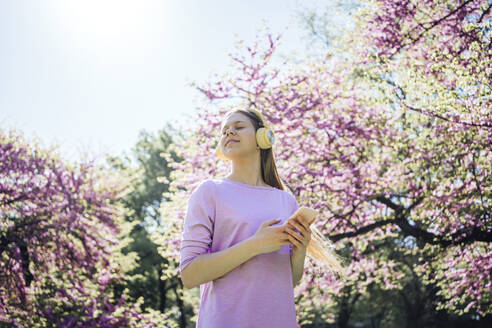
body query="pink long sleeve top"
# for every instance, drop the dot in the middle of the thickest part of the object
(259, 292)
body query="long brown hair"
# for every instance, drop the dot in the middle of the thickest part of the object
(319, 248)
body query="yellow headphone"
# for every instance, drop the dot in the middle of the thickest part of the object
(265, 137)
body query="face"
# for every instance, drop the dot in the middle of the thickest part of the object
(237, 126)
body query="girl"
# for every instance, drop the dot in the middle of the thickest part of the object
(234, 244)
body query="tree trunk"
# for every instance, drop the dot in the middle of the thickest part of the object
(162, 291)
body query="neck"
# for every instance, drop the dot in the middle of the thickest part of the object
(247, 170)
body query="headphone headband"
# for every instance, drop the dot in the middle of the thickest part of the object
(261, 117)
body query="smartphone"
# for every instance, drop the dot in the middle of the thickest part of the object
(306, 214)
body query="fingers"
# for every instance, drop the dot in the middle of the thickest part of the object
(295, 241)
(300, 229)
(270, 222)
(304, 237)
(296, 222)
(291, 232)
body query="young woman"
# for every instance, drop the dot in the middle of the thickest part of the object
(234, 244)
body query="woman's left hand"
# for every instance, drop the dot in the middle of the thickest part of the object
(299, 241)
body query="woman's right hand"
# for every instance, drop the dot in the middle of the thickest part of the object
(269, 239)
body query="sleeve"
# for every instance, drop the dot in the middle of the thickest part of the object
(198, 227)
(294, 207)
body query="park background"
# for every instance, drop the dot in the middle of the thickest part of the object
(109, 118)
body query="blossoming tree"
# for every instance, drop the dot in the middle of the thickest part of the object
(387, 136)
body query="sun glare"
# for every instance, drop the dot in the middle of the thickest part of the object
(110, 24)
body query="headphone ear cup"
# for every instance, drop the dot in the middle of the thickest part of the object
(265, 138)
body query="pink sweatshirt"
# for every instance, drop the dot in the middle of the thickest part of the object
(259, 292)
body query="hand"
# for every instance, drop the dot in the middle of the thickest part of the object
(269, 239)
(300, 240)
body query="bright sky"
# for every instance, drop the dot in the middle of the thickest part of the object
(88, 75)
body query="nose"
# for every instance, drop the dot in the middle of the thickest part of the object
(227, 135)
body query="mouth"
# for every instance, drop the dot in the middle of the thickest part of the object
(230, 142)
